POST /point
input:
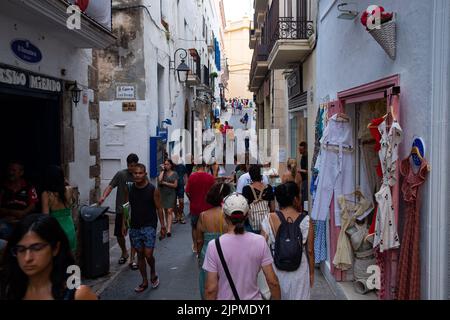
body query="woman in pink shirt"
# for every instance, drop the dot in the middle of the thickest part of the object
(244, 254)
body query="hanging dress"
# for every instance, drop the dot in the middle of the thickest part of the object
(336, 174)
(408, 282)
(386, 236)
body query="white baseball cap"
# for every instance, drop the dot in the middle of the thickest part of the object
(235, 202)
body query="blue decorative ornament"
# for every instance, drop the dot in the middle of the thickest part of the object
(420, 144)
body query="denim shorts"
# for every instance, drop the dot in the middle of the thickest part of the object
(143, 238)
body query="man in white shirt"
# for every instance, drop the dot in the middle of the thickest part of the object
(245, 180)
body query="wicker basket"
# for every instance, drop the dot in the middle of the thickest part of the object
(386, 36)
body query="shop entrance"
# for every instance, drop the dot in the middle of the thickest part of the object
(30, 132)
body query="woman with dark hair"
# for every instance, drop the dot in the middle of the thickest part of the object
(211, 225)
(36, 262)
(295, 285)
(168, 183)
(244, 254)
(260, 199)
(57, 200)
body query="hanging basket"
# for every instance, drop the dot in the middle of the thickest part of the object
(386, 36)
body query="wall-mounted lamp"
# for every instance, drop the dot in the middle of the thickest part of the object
(75, 92)
(182, 69)
(347, 13)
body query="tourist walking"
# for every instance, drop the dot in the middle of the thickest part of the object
(146, 208)
(182, 173)
(260, 198)
(198, 186)
(120, 181)
(295, 282)
(168, 183)
(211, 225)
(234, 260)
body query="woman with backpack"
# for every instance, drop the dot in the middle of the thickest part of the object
(260, 199)
(290, 257)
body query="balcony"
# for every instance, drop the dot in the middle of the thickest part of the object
(51, 17)
(290, 39)
(259, 67)
(205, 80)
(195, 75)
(252, 37)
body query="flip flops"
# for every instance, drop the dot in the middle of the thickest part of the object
(155, 282)
(122, 260)
(141, 288)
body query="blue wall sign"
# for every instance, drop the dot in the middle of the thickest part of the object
(26, 51)
(163, 133)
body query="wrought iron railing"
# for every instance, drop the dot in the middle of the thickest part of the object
(287, 28)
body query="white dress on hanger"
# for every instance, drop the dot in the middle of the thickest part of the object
(336, 169)
(386, 235)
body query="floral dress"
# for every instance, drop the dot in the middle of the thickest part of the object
(386, 236)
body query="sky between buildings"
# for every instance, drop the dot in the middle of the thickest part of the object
(236, 9)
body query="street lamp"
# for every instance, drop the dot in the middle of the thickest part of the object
(75, 92)
(182, 69)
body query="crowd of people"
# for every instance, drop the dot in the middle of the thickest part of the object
(241, 225)
(38, 239)
(237, 104)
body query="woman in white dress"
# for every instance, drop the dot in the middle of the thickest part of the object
(295, 285)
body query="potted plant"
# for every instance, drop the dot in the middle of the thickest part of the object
(385, 32)
(213, 75)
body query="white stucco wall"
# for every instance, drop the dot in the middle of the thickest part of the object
(134, 129)
(57, 55)
(348, 57)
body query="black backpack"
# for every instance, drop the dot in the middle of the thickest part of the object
(288, 251)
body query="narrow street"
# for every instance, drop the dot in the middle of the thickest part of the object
(177, 268)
